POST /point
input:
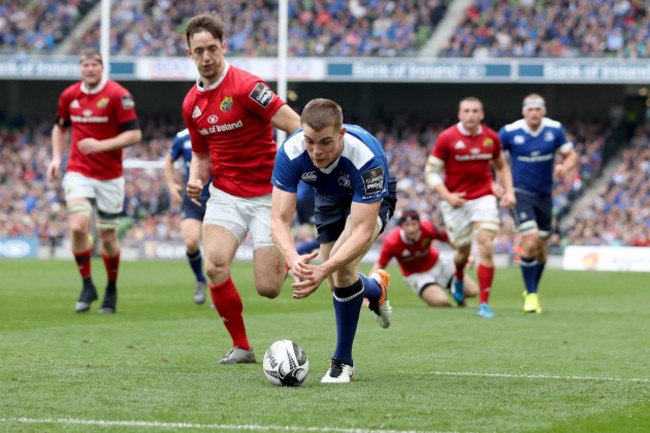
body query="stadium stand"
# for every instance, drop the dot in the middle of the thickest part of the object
(38, 26)
(316, 28)
(557, 28)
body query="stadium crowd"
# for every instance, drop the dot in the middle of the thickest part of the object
(31, 206)
(557, 28)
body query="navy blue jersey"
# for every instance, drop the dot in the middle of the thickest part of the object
(182, 146)
(361, 172)
(532, 153)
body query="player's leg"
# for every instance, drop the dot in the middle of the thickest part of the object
(434, 296)
(192, 217)
(78, 190)
(459, 228)
(223, 231)
(485, 224)
(110, 198)
(544, 212)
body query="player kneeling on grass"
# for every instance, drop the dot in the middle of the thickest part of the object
(355, 196)
(428, 274)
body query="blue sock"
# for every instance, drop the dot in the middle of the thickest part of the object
(371, 290)
(529, 272)
(308, 247)
(347, 305)
(540, 269)
(196, 263)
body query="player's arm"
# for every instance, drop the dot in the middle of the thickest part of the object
(200, 170)
(569, 162)
(504, 177)
(174, 188)
(59, 139)
(123, 139)
(283, 207)
(433, 176)
(286, 119)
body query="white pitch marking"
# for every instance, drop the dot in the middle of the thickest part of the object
(182, 425)
(538, 376)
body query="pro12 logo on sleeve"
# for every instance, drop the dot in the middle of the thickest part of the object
(262, 95)
(373, 181)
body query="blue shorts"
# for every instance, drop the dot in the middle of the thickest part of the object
(331, 212)
(533, 207)
(190, 210)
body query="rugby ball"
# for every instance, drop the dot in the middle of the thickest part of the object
(285, 364)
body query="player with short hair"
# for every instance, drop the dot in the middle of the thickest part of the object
(355, 196)
(191, 213)
(100, 114)
(230, 115)
(466, 152)
(425, 271)
(532, 143)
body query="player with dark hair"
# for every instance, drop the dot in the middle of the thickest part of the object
(355, 196)
(100, 114)
(465, 153)
(532, 143)
(428, 274)
(230, 115)
(191, 213)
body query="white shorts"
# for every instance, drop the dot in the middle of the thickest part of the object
(439, 274)
(459, 220)
(107, 194)
(241, 215)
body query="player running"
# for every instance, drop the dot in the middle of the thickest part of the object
(532, 143)
(466, 152)
(101, 116)
(230, 114)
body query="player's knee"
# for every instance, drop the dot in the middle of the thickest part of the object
(82, 208)
(268, 289)
(216, 268)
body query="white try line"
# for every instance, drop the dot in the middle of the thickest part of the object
(536, 376)
(184, 425)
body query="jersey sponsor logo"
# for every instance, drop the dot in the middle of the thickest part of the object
(127, 102)
(262, 95)
(535, 157)
(519, 139)
(478, 157)
(212, 118)
(309, 176)
(373, 180)
(87, 113)
(89, 119)
(226, 104)
(75, 104)
(344, 182)
(196, 113)
(459, 145)
(474, 151)
(488, 142)
(221, 128)
(102, 103)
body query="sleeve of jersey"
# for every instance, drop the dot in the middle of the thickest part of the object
(124, 107)
(284, 175)
(386, 253)
(370, 182)
(176, 148)
(497, 145)
(562, 143)
(440, 148)
(62, 111)
(261, 100)
(503, 137)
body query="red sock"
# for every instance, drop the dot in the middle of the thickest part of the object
(112, 265)
(460, 271)
(229, 306)
(83, 262)
(485, 276)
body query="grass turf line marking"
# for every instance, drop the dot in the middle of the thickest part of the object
(537, 376)
(176, 425)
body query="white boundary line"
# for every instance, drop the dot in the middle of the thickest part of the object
(183, 425)
(536, 376)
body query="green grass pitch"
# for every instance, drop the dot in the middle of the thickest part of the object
(583, 365)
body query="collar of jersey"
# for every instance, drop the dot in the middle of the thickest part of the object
(529, 131)
(96, 90)
(202, 88)
(330, 168)
(464, 131)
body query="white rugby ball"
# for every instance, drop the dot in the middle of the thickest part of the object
(285, 364)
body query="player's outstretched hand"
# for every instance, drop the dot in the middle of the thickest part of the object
(176, 193)
(508, 200)
(308, 279)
